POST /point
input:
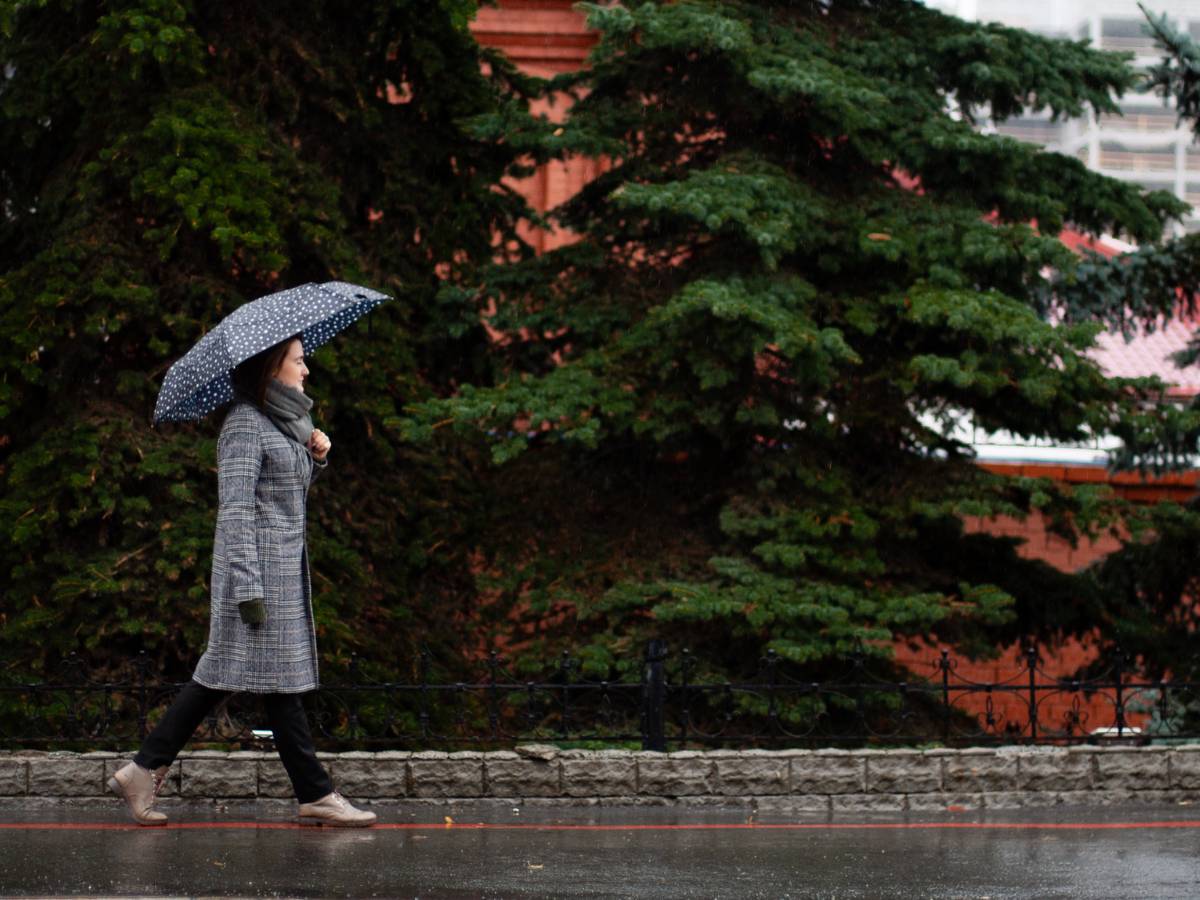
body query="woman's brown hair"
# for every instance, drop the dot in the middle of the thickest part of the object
(251, 377)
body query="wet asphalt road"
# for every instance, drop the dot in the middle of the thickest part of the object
(253, 850)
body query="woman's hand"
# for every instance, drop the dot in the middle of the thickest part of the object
(319, 444)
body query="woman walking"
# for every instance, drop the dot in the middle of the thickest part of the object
(261, 638)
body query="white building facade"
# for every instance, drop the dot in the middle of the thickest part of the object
(1144, 145)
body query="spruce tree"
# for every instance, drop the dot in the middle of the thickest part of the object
(801, 267)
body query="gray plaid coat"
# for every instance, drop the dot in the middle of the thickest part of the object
(259, 551)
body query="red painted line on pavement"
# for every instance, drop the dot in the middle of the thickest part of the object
(500, 826)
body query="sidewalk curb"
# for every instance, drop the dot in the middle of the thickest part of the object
(795, 780)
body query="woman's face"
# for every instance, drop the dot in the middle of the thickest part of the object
(293, 371)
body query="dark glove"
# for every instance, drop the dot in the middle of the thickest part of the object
(253, 612)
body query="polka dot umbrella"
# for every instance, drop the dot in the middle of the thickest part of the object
(200, 381)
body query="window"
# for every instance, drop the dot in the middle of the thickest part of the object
(1127, 35)
(1118, 156)
(1034, 131)
(1142, 119)
(1156, 186)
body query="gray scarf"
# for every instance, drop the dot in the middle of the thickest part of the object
(288, 408)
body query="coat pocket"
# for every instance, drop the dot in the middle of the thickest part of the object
(270, 559)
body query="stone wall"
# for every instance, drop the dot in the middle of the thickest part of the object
(801, 780)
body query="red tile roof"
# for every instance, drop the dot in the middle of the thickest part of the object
(1146, 353)
(1149, 354)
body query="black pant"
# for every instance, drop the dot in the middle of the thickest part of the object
(285, 714)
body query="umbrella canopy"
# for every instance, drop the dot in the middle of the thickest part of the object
(200, 381)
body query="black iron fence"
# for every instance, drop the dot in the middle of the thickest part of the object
(669, 704)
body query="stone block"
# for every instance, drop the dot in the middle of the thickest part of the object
(543, 752)
(273, 780)
(668, 776)
(445, 777)
(1165, 798)
(1019, 799)
(695, 801)
(823, 773)
(364, 778)
(521, 778)
(211, 777)
(635, 800)
(793, 803)
(842, 803)
(1184, 767)
(979, 772)
(1054, 771)
(603, 776)
(752, 775)
(596, 754)
(1133, 770)
(66, 777)
(14, 777)
(944, 802)
(557, 802)
(903, 773)
(1096, 798)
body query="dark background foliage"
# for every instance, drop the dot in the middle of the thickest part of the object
(722, 414)
(160, 164)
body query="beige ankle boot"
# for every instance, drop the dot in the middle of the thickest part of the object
(334, 809)
(139, 789)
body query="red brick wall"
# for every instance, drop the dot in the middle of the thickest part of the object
(1038, 543)
(544, 38)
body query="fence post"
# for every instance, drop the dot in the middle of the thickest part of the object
(140, 664)
(654, 696)
(1032, 659)
(564, 722)
(685, 703)
(1120, 710)
(944, 665)
(423, 670)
